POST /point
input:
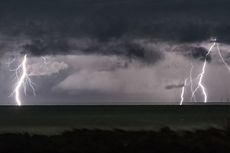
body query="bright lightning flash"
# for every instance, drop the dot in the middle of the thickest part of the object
(23, 80)
(225, 63)
(201, 76)
(182, 92)
(191, 82)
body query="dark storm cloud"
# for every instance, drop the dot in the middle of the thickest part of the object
(194, 52)
(49, 24)
(122, 47)
(174, 85)
(177, 20)
(47, 46)
(125, 48)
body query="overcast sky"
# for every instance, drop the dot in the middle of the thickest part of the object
(114, 51)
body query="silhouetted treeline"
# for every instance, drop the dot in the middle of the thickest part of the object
(118, 141)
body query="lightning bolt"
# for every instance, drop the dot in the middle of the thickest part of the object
(191, 82)
(23, 80)
(183, 91)
(222, 59)
(201, 76)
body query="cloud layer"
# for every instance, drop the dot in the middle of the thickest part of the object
(166, 20)
(103, 50)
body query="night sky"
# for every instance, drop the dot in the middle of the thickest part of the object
(114, 51)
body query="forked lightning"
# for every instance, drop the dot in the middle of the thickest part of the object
(22, 81)
(201, 76)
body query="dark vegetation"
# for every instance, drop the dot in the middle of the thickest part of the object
(211, 140)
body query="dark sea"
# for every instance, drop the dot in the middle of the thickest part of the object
(56, 119)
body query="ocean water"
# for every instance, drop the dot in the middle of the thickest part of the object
(56, 119)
